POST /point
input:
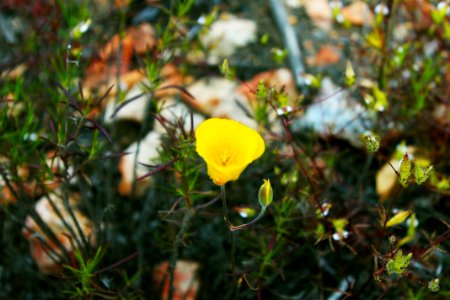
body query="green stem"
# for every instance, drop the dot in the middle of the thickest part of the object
(175, 249)
(387, 33)
(391, 205)
(233, 251)
(227, 219)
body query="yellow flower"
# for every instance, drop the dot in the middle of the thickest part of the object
(227, 147)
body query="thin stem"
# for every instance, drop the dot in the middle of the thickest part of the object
(391, 205)
(233, 251)
(117, 264)
(388, 161)
(223, 196)
(436, 242)
(387, 33)
(185, 183)
(291, 141)
(175, 249)
(227, 219)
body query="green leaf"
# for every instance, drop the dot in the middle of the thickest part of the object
(349, 74)
(261, 91)
(339, 224)
(398, 218)
(375, 39)
(80, 28)
(398, 264)
(438, 15)
(422, 174)
(184, 7)
(380, 97)
(264, 39)
(225, 70)
(433, 285)
(278, 55)
(447, 30)
(400, 54)
(405, 170)
(371, 142)
(312, 81)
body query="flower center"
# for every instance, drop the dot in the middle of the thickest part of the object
(224, 158)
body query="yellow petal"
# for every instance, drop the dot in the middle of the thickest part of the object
(398, 218)
(228, 147)
(222, 174)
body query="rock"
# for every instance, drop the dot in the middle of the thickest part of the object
(293, 3)
(28, 186)
(149, 148)
(386, 180)
(358, 13)
(136, 86)
(441, 114)
(226, 35)
(134, 111)
(14, 73)
(103, 71)
(280, 78)
(185, 283)
(327, 55)
(219, 97)
(100, 77)
(137, 39)
(319, 11)
(173, 111)
(336, 114)
(40, 242)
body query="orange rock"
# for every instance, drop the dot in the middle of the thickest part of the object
(14, 73)
(358, 13)
(185, 282)
(104, 71)
(9, 191)
(279, 78)
(6, 195)
(319, 12)
(422, 20)
(139, 39)
(122, 3)
(134, 82)
(44, 250)
(171, 77)
(327, 55)
(101, 76)
(27, 185)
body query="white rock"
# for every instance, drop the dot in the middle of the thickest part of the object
(134, 110)
(172, 111)
(149, 148)
(293, 3)
(336, 114)
(227, 34)
(219, 97)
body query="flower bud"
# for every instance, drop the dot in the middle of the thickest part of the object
(265, 195)
(433, 285)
